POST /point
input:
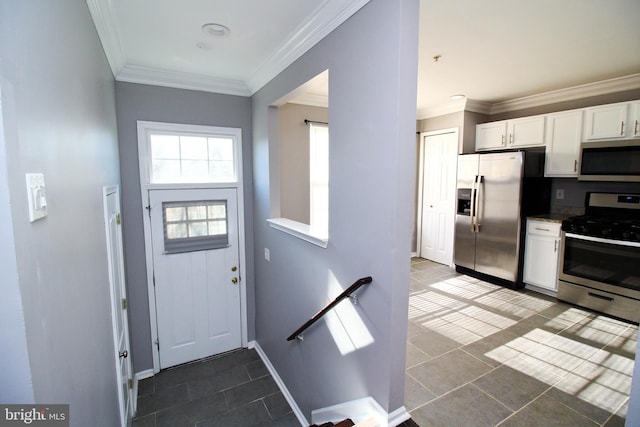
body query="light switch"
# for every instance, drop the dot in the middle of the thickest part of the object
(36, 196)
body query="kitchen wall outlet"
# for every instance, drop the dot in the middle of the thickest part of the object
(36, 196)
(559, 194)
(267, 254)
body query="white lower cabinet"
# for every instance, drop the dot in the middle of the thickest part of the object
(542, 246)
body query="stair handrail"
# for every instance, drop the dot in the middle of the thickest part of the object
(345, 294)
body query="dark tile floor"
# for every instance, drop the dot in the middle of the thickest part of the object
(477, 355)
(484, 355)
(234, 389)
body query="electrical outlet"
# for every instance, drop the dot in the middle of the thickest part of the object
(267, 254)
(559, 194)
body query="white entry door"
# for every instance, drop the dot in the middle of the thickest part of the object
(196, 273)
(439, 155)
(115, 252)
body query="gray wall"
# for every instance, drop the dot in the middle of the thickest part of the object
(294, 159)
(372, 59)
(59, 119)
(152, 103)
(14, 364)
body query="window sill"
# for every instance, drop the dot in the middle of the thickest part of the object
(299, 230)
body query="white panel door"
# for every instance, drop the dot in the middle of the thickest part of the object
(438, 196)
(118, 301)
(197, 288)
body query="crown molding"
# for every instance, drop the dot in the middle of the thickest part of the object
(441, 110)
(478, 106)
(323, 21)
(108, 33)
(603, 87)
(180, 80)
(312, 100)
(455, 107)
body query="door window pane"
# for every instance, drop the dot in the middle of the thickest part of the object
(180, 159)
(195, 226)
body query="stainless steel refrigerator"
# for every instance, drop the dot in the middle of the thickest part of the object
(495, 192)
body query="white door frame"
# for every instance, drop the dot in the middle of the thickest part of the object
(144, 127)
(421, 166)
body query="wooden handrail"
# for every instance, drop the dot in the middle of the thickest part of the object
(347, 293)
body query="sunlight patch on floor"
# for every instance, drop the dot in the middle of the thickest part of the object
(584, 355)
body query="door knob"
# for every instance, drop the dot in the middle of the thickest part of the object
(234, 280)
(124, 354)
(234, 268)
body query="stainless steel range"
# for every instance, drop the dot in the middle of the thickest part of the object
(600, 256)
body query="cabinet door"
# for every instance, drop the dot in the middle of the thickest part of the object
(606, 122)
(541, 261)
(634, 122)
(526, 132)
(491, 136)
(562, 137)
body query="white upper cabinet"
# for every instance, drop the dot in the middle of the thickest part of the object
(516, 133)
(634, 122)
(491, 136)
(526, 132)
(562, 135)
(612, 121)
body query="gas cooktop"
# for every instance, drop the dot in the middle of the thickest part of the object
(608, 215)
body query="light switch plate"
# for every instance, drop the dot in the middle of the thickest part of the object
(36, 196)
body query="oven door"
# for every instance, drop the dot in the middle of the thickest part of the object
(608, 265)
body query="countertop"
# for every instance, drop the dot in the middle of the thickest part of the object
(549, 217)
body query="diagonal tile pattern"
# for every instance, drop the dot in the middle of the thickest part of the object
(234, 389)
(484, 355)
(477, 355)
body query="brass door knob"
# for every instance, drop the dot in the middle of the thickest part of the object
(234, 268)
(234, 280)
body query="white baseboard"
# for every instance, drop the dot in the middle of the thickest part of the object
(359, 411)
(144, 374)
(283, 388)
(136, 379)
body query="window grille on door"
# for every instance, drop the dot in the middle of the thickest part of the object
(195, 225)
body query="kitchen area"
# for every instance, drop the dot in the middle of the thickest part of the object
(540, 304)
(589, 257)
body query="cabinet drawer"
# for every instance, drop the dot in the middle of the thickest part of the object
(543, 228)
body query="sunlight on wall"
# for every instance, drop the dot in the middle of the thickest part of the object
(345, 324)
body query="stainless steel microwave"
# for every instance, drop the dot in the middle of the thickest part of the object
(610, 161)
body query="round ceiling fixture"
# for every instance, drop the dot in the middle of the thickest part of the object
(454, 97)
(216, 30)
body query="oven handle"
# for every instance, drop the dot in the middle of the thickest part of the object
(601, 240)
(602, 297)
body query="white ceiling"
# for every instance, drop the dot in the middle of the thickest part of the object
(492, 51)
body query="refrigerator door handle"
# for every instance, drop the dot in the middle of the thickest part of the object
(474, 201)
(473, 204)
(476, 216)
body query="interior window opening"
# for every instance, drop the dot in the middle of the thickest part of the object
(302, 181)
